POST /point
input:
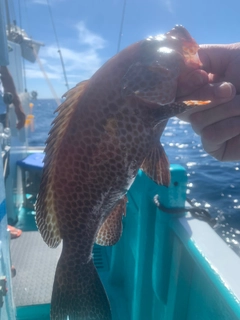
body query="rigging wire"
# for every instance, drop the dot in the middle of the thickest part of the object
(59, 50)
(121, 26)
(12, 6)
(23, 60)
(41, 67)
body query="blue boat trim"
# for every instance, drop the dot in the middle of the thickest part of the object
(2, 209)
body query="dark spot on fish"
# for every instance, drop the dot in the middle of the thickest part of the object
(71, 184)
(123, 132)
(89, 151)
(119, 101)
(129, 137)
(140, 128)
(175, 184)
(118, 158)
(99, 126)
(103, 102)
(129, 127)
(123, 139)
(113, 106)
(112, 161)
(119, 166)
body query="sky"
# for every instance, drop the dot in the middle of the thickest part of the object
(88, 32)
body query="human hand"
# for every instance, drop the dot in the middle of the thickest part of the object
(21, 117)
(219, 122)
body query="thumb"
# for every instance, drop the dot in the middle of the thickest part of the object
(217, 93)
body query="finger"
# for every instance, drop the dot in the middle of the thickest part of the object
(222, 139)
(215, 58)
(217, 93)
(21, 120)
(191, 82)
(200, 120)
(232, 149)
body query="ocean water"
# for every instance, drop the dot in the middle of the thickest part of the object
(212, 185)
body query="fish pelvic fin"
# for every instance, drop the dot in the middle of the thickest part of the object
(111, 230)
(78, 293)
(46, 208)
(156, 166)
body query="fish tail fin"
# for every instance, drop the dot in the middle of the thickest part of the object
(78, 293)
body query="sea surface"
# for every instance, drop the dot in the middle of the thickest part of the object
(212, 185)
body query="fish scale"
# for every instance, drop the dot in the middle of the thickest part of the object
(106, 129)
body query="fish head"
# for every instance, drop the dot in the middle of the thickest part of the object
(162, 60)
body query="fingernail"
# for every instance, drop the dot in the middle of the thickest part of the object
(224, 90)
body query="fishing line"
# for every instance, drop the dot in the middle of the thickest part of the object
(121, 26)
(196, 212)
(58, 46)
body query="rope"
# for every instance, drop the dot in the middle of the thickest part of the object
(47, 79)
(197, 212)
(59, 50)
(121, 26)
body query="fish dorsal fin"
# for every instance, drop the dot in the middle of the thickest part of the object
(46, 215)
(111, 230)
(156, 166)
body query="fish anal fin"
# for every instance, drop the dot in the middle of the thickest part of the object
(156, 166)
(111, 230)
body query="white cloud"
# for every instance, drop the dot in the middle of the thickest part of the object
(35, 73)
(169, 5)
(89, 38)
(80, 62)
(83, 62)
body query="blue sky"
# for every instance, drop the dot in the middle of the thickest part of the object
(88, 31)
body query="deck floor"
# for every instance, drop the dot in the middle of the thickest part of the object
(35, 265)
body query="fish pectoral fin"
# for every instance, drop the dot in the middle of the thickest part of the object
(111, 230)
(156, 166)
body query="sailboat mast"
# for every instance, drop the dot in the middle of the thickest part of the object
(8, 17)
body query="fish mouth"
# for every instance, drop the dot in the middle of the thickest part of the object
(188, 48)
(191, 59)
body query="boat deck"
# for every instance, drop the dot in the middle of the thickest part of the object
(35, 265)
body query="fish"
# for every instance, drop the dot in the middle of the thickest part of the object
(107, 128)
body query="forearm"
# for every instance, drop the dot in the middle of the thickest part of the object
(7, 81)
(8, 86)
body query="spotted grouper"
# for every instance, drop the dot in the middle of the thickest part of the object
(106, 129)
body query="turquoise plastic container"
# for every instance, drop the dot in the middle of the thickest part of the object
(159, 263)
